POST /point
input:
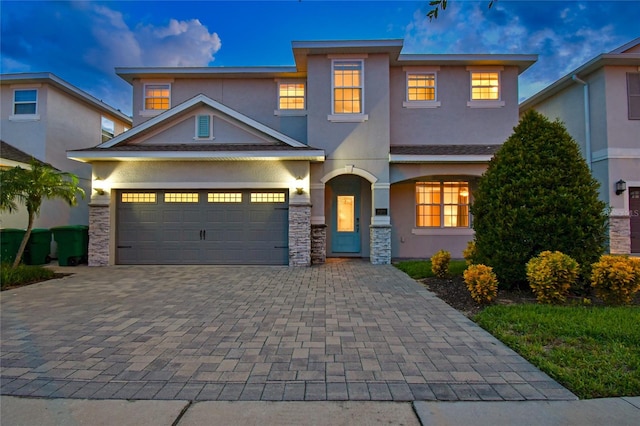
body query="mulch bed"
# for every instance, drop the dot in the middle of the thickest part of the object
(454, 292)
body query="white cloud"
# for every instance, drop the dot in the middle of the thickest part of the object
(179, 43)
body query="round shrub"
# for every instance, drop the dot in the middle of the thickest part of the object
(616, 279)
(481, 283)
(440, 263)
(537, 194)
(469, 252)
(551, 275)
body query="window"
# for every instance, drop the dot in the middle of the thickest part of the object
(25, 102)
(181, 197)
(138, 197)
(485, 86)
(633, 95)
(156, 96)
(203, 127)
(442, 204)
(421, 87)
(108, 129)
(224, 197)
(347, 87)
(267, 197)
(291, 96)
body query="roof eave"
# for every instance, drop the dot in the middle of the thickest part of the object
(523, 62)
(411, 158)
(606, 59)
(130, 74)
(91, 156)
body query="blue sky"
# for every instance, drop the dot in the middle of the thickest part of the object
(83, 41)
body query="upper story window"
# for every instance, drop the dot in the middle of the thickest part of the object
(347, 87)
(157, 96)
(633, 95)
(348, 90)
(442, 204)
(25, 102)
(291, 96)
(421, 87)
(486, 87)
(108, 129)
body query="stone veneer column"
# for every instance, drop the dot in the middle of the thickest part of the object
(299, 234)
(99, 227)
(318, 244)
(619, 234)
(380, 244)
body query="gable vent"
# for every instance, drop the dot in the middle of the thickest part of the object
(203, 127)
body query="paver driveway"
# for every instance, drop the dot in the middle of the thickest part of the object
(344, 330)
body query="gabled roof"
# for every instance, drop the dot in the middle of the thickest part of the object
(120, 147)
(54, 80)
(616, 57)
(14, 156)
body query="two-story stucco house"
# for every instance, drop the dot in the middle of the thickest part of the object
(357, 150)
(600, 105)
(43, 116)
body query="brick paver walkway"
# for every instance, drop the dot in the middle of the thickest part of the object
(340, 331)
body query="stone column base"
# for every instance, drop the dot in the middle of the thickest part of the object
(318, 244)
(299, 234)
(380, 244)
(619, 234)
(99, 228)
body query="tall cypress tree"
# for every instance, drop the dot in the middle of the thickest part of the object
(537, 194)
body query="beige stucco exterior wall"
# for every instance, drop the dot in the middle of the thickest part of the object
(453, 122)
(64, 123)
(254, 97)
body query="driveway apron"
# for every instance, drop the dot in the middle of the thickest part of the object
(346, 330)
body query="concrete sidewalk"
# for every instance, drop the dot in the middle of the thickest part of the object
(29, 411)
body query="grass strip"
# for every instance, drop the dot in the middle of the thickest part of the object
(593, 351)
(418, 269)
(22, 274)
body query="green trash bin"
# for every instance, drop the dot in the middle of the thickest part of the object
(73, 244)
(10, 239)
(39, 247)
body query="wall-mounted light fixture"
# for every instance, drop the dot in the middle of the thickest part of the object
(299, 187)
(98, 186)
(621, 186)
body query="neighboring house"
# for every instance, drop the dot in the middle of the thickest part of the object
(43, 116)
(600, 105)
(357, 150)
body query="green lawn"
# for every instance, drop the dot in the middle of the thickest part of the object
(418, 269)
(23, 274)
(593, 351)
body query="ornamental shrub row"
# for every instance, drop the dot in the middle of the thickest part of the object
(440, 263)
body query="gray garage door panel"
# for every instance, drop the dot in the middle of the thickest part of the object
(152, 231)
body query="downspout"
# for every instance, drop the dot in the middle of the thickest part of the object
(587, 119)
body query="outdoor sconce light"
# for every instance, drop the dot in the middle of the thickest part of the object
(98, 186)
(621, 186)
(299, 187)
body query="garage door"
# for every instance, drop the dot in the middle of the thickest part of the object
(202, 227)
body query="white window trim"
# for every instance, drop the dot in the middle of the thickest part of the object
(24, 117)
(153, 112)
(347, 118)
(210, 137)
(290, 112)
(420, 104)
(484, 103)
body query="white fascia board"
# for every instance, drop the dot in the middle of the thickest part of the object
(90, 156)
(337, 44)
(213, 104)
(128, 74)
(396, 158)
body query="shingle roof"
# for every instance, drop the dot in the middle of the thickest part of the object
(10, 152)
(444, 149)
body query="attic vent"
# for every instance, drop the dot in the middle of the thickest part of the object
(203, 127)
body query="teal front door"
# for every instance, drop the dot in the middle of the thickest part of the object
(345, 216)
